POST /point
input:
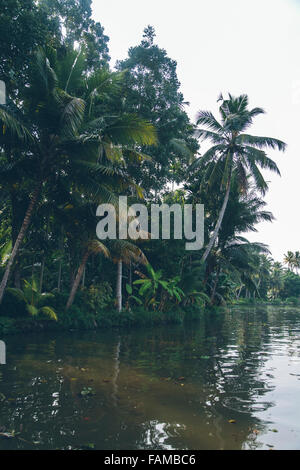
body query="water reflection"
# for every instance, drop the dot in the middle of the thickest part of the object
(229, 382)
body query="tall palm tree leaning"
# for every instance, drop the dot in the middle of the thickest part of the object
(234, 153)
(53, 117)
(93, 246)
(60, 125)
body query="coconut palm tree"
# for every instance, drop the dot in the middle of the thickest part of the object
(234, 153)
(289, 259)
(263, 270)
(65, 129)
(123, 251)
(52, 116)
(119, 251)
(276, 279)
(93, 247)
(297, 260)
(233, 253)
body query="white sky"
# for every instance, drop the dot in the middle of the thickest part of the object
(238, 46)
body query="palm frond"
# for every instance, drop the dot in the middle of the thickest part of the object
(127, 251)
(135, 156)
(9, 123)
(261, 142)
(130, 128)
(241, 176)
(95, 246)
(49, 312)
(206, 118)
(182, 149)
(210, 155)
(261, 158)
(16, 292)
(44, 76)
(260, 182)
(72, 114)
(32, 309)
(214, 137)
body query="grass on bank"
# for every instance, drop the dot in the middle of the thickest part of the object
(15, 318)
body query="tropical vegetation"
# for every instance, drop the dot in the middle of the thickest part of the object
(75, 133)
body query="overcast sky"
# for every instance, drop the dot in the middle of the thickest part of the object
(237, 46)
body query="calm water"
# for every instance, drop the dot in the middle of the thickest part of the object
(164, 388)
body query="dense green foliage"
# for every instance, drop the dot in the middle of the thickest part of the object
(74, 134)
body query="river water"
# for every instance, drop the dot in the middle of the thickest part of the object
(229, 381)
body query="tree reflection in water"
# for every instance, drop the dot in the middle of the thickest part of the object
(164, 388)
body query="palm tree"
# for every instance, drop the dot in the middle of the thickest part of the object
(289, 259)
(276, 279)
(233, 253)
(297, 260)
(263, 270)
(234, 153)
(292, 260)
(64, 130)
(124, 251)
(93, 247)
(53, 116)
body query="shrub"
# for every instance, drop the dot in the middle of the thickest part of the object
(98, 297)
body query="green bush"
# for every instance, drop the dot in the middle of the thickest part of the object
(98, 297)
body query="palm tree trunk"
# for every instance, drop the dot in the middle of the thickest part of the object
(77, 280)
(60, 247)
(218, 224)
(59, 276)
(17, 276)
(15, 227)
(42, 274)
(130, 274)
(19, 239)
(44, 258)
(119, 286)
(72, 269)
(239, 292)
(83, 277)
(215, 286)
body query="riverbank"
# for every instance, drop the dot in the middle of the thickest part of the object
(91, 321)
(85, 320)
(290, 301)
